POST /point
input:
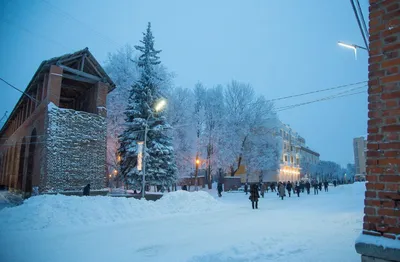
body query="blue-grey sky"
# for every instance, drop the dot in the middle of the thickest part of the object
(280, 47)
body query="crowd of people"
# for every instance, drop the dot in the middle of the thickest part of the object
(257, 190)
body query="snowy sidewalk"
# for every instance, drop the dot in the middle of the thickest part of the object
(310, 228)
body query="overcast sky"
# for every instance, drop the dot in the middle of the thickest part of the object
(281, 48)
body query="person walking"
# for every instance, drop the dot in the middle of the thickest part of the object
(219, 188)
(246, 187)
(320, 186)
(308, 187)
(254, 196)
(298, 189)
(315, 185)
(289, 187)
(262, 190)
(281, 190)
(326, 186)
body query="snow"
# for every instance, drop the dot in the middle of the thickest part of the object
(378, 241)
(185, 226)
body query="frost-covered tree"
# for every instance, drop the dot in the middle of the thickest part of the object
(328, 170)
(249, 119)
(350, 171)
(122, 67)
(180, 115)
(143, 96)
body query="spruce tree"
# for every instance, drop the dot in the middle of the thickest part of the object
(145, 93)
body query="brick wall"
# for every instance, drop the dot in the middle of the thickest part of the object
(75, 153)
(383, 155)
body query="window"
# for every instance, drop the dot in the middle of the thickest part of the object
(291, 159)
(297, 161)
(286, 158)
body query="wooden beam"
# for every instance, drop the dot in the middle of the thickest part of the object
(80, 73)
(66, 99)
(94, 67)
(59, 62)
(79, 79)
(82, 62)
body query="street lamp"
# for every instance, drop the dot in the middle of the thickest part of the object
(160, 105)
(352, 46)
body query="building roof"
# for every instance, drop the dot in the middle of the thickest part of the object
(66, 58)
(306, 149)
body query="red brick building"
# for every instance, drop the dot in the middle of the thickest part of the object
(55, 137)
(380, 239)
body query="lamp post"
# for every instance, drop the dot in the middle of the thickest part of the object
(352, 46)
(158, 107)
(196, 173)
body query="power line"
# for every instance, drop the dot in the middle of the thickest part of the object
(4, 116)
(317, 91)
(35, 34)
(328, 97)
(359, 24)
(67, 15)
(362, 18)
(19, 90)
(318, 100)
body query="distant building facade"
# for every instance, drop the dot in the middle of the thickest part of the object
(295, 154)
(55, 137)
(360, 147)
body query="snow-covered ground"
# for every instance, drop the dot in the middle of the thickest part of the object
(185, 226)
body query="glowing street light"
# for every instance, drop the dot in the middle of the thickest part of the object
(351, 46)
(159, 106)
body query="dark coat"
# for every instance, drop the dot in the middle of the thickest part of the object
(289, 186)
(297, 188)
(86, 190)
(254, 195)
(308, 185)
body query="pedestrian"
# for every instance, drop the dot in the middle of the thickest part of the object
(273, 187)
(267, 187)
(281, 190)
(294, 187)
(302, 186)
(315, 185)
(246, 187)
(262, 190)
(219, 188)
(289, 187)
(254, 195)
(320, 186)
(308, 187)
(298, 189)
(326, 186)
(86, 190)
(334, 183)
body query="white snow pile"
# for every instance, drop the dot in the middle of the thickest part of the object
(50, 211)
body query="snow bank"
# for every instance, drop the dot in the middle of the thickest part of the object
(49, 211)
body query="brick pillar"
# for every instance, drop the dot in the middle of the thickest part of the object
(101, 98)
(54, 85)
(381, 226)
